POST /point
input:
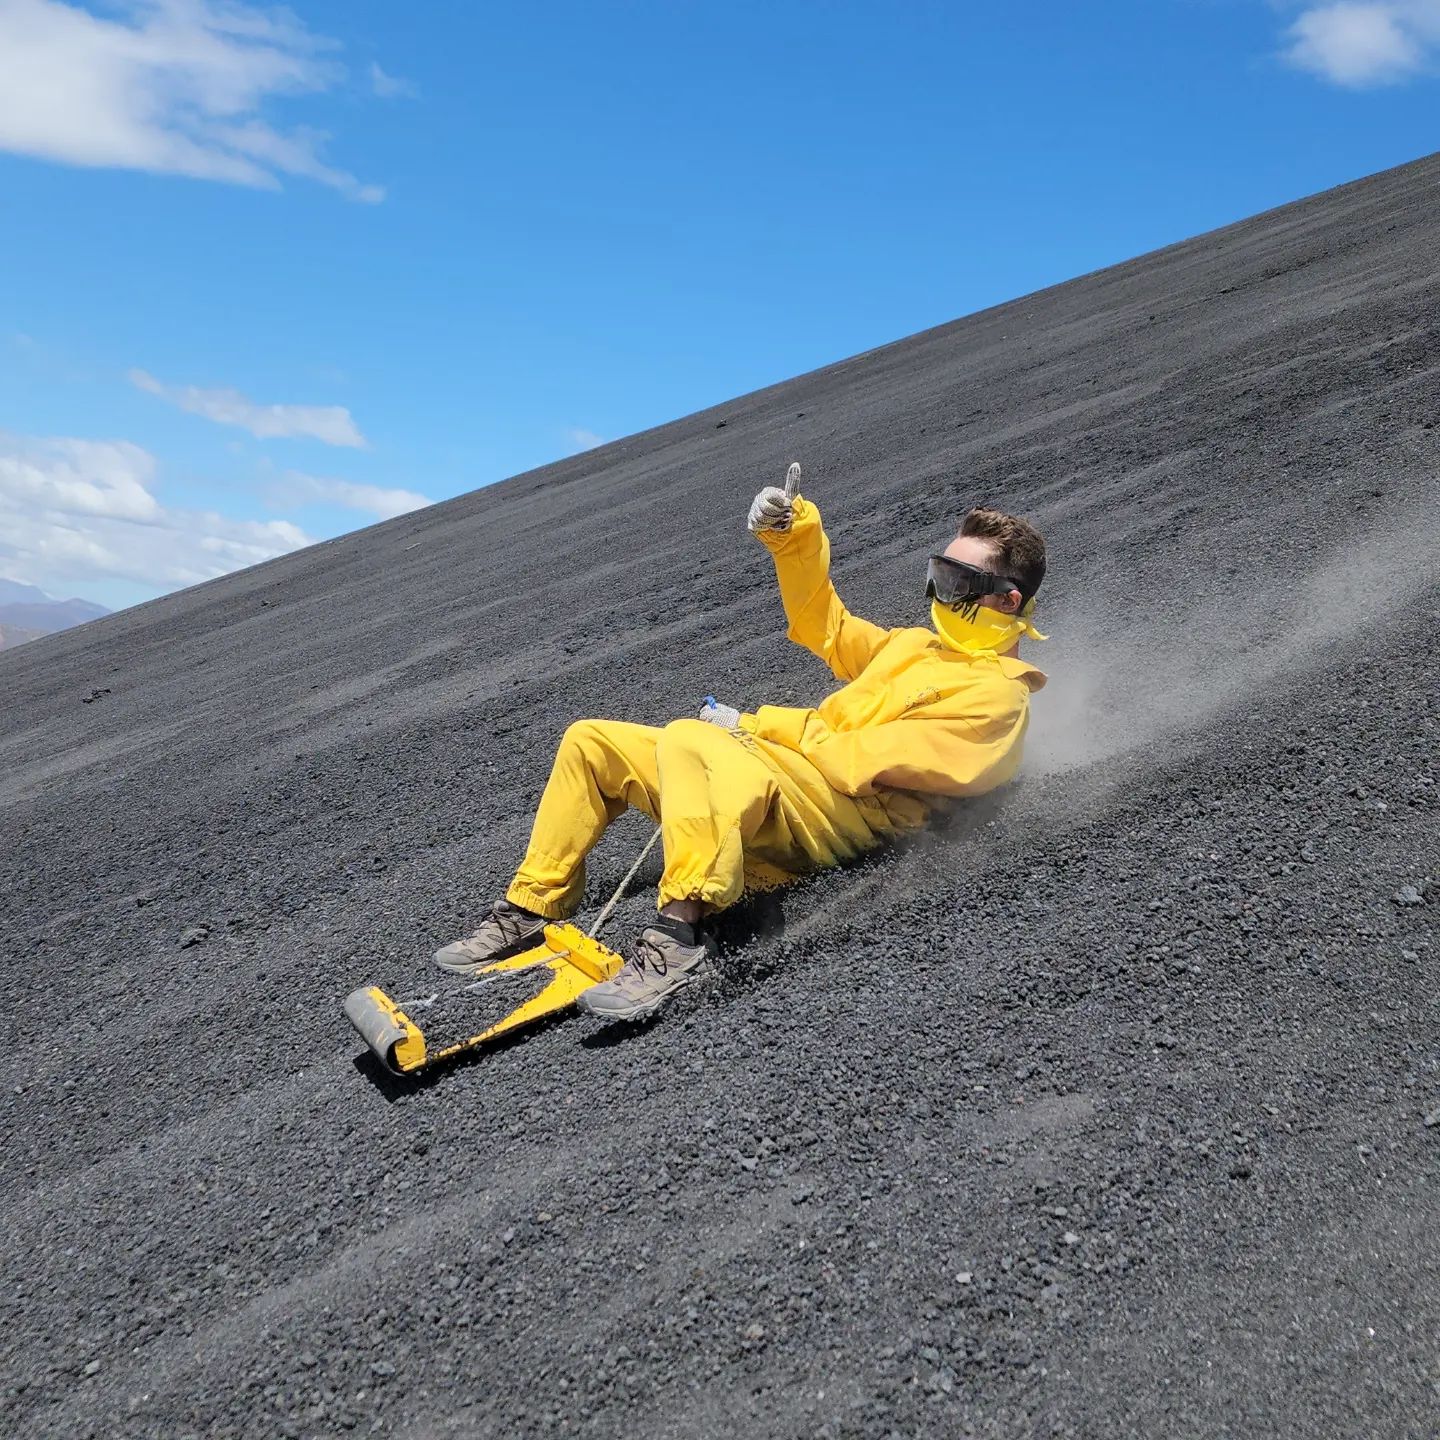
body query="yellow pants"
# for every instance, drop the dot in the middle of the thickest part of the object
(735, 812)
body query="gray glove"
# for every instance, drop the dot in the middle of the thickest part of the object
(727, 717)
(771, 508)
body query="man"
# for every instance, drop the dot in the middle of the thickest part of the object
(752, 801)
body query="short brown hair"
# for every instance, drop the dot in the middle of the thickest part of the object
(1019, 549)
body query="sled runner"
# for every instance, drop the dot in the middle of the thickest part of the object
(575, 958)
(576, 962)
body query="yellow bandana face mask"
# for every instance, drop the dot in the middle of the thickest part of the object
(985, 632)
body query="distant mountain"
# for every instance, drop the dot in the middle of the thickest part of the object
(12, 591)
(27, 612)
(11, 636)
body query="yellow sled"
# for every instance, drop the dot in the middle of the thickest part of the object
(576, 960)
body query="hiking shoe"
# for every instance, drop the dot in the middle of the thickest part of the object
(505, 931)
(667, 957)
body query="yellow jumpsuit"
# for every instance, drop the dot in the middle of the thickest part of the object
(790, 789)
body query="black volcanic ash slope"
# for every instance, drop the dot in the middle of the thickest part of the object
(1113, 1111)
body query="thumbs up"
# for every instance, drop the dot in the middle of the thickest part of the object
(772, 507)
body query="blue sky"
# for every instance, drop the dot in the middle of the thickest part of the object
(266, 275)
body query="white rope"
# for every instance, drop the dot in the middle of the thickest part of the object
(614, 900)
(514, 970)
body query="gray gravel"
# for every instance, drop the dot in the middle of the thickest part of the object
(1108, 1112)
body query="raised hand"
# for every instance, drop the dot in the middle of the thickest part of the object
(772, 507)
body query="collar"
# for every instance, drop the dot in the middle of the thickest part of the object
(1011, 666)
(1017, 669)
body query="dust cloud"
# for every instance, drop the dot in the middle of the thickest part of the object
(1126, 677)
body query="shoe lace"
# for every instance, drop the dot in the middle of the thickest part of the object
(502, 921)
(647, 953)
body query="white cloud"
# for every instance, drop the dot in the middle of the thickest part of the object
(82, 510)
(167, 86)
(389, 87)
(581, 439)
(301, 489)
(332, 424)
(107, 478)
(1359, 43)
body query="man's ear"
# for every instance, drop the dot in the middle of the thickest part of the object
(1009, 602)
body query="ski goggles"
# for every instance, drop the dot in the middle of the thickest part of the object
(961, 586)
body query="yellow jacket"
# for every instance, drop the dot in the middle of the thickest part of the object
(915, 714)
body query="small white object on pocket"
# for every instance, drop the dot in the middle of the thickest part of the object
(725, 716)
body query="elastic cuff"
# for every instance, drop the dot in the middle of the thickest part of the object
(713, 894)
(534, 900)
(760, 879)
(706, 908)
